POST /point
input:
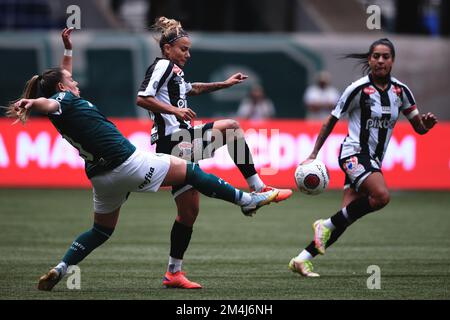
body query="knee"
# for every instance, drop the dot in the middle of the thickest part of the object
(102, 233)
(188, 216)
(379, 199)
(232, 129)
(232, 124)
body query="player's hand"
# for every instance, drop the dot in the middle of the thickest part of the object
(311, 157)
(66, 38)
(235, 79)
(185, 114)
(23, 105)
(429, 120)
(22, 109)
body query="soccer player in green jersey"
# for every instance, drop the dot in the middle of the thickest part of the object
(113, 165)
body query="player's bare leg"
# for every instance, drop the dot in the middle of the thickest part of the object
(188, 208)
(350, 195)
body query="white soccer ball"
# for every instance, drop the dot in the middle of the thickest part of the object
(312, 177)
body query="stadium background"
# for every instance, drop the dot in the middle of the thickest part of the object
(280, 45)
(279, 48)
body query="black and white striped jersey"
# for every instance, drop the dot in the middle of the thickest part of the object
(372, 115)
(164, 81)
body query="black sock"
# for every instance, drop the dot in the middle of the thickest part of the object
(355, 210)
(242, 157)
(311, 248)
(335, 234)
(179, 239)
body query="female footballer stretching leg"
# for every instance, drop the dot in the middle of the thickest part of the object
(113, 165)
(164, 94)
(373, 104)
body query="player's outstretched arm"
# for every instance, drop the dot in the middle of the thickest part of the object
(20, 109)
(67, 58)
(325, 131)
(199, 88)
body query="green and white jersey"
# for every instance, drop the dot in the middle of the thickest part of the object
(97, 139)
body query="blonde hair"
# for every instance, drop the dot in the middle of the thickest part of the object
(29, 92)
(170, 29)
(44, 85)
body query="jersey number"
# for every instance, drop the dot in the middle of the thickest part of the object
(83, 153)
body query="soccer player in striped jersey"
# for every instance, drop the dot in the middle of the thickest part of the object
(163, 93)
(373, 105)
(112, 164)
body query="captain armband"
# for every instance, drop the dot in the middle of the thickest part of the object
(411, 112)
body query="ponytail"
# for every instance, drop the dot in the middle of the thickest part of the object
(30, 91)
(44, 85)
(364, 57)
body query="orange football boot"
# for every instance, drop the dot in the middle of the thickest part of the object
(178, 280)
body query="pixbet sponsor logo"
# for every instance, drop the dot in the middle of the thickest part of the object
(380, 123)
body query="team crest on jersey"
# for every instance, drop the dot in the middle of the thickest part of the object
(353, 167)
(177, 70)
(369, 90)
(397, 90)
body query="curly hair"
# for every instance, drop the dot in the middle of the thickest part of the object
(170, 29)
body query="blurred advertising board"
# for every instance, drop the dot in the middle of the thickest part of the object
(35, 155)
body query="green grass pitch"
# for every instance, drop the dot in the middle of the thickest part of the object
(232, 256)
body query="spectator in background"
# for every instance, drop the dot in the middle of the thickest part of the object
(320, 98)
(256, 106)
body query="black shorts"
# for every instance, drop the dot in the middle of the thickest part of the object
(189, 144)
(357, 168)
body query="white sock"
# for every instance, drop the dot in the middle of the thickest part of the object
(245, 199)
(304, 255)
(62, 268)
(174, 265)
(327, 223)
(255, 182)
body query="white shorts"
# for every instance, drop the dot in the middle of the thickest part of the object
(141, 172)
